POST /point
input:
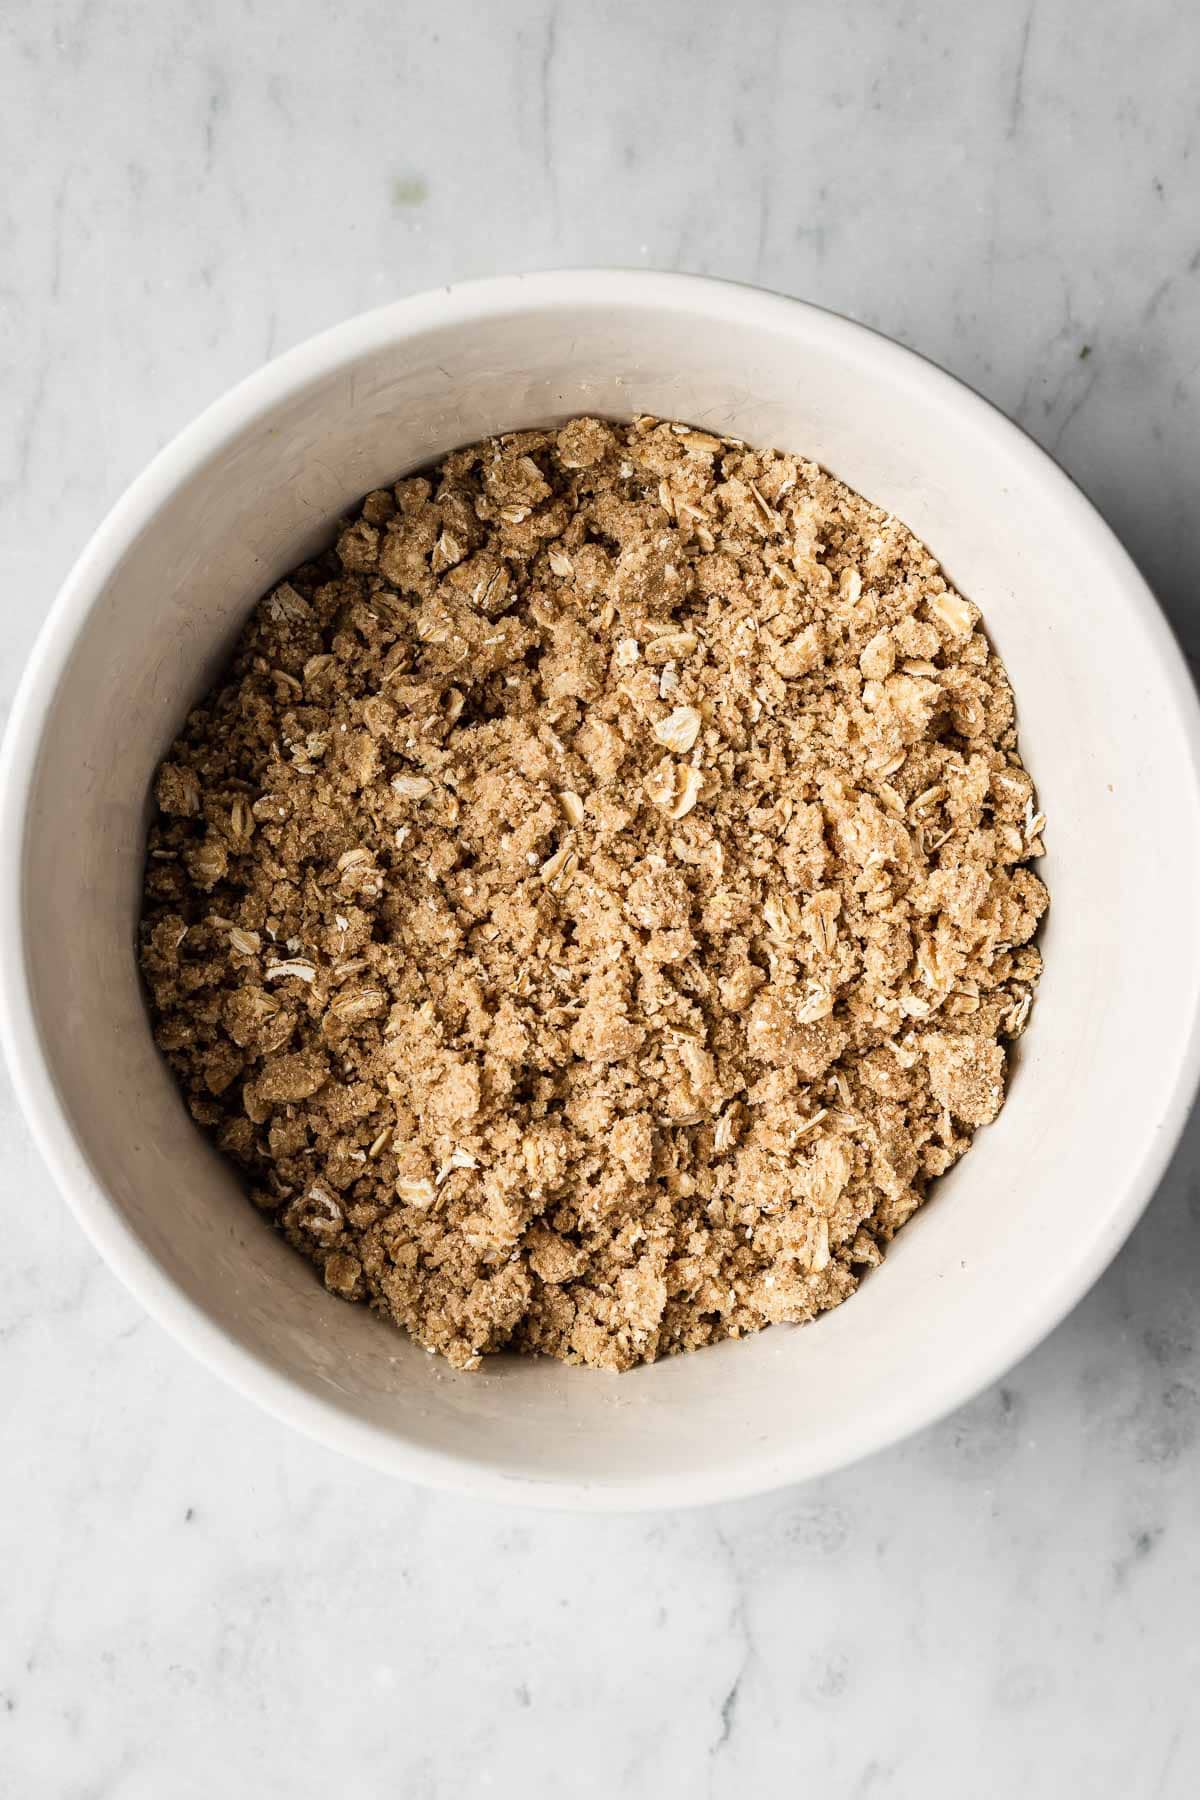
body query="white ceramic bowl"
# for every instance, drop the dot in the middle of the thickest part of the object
(1108, 725)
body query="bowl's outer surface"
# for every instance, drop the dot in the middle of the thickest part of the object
(1108, 725)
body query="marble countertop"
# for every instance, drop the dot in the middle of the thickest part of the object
(195, 1601)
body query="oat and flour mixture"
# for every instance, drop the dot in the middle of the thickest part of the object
(592, 908)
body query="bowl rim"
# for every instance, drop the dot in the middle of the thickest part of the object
(37, 1093)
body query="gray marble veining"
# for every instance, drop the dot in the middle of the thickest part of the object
(192, 1599)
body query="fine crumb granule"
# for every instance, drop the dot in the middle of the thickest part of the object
(591, 909)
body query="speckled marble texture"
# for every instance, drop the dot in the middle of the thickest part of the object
(192, 1600)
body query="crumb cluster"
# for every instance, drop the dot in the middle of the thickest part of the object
(593, 905)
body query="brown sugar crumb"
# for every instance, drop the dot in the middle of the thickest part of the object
(591, 909)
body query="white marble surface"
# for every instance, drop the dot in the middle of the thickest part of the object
(192, 1600)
